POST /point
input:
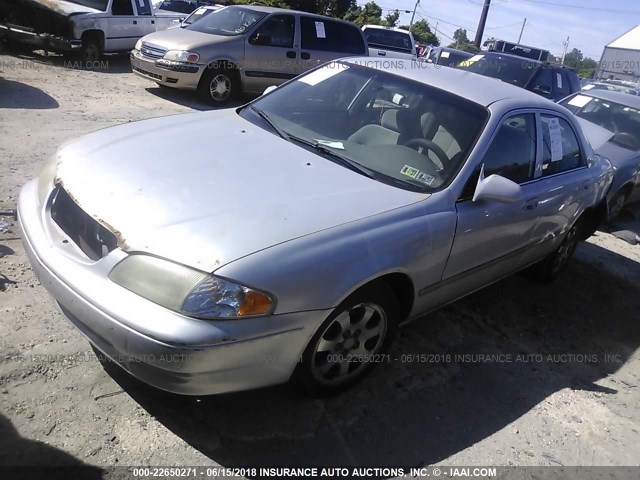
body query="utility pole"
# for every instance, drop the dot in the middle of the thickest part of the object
(482, 23)
(414, 14)
(522, 30)
(566, 46)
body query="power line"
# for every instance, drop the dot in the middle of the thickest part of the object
(582, 7)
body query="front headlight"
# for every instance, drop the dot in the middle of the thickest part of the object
(46, 177)
(138, 44)
(188, 291)
(181, 56)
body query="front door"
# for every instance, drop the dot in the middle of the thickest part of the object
(270, 54)
(123, 26)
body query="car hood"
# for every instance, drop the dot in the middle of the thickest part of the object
(183, 39)
(597, 135)
(600, 137)
(64, 8)
(204, 189)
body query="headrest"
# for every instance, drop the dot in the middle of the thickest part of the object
(406, 122)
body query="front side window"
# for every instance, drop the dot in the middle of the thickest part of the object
(97, 4)
(143, 7)
(543, 82)
(230, 21)
(395, 130)
(276, 31)
(330, 36)
(122, 7)
(512, 153)
(560, 146)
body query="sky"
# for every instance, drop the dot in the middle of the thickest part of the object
(589, 24)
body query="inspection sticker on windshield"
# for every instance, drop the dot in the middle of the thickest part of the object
(579, 101)
(416, 174)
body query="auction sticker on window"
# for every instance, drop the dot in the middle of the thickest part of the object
(320, 31)
(580, 100)
(416, 174)
(555, 136)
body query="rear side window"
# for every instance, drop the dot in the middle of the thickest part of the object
(389, 40)
(330, 36)
(543, 82)
(143, 7)
(122, 7)
(560, 146)
(512, 153)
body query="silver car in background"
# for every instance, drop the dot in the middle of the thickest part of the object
(243, 49)
(289, 238)
(611, 121)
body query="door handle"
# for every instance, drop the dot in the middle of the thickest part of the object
(153, 22)
(291, 54)
(305, 56)
(135, 22)
(531, 204)
(382, 53)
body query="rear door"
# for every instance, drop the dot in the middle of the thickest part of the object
(124, 26)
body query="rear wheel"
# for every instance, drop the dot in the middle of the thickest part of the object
(344, 348)
(218, 86)
(616, 205)
(550, 267)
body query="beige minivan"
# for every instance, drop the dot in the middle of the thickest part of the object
(243, 49)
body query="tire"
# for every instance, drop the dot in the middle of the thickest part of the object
(364, 324)
(616, 205)
(549, 268)
(90, 51)
(218, 86)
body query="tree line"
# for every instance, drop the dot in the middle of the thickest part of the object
(371, 14)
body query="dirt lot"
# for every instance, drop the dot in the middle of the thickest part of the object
(565, 391)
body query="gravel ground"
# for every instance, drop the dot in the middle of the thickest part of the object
(564, 392)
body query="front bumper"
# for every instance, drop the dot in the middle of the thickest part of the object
(160, 347)
(45, 41)
(149, 69)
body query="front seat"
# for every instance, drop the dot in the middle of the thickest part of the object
(396, 127)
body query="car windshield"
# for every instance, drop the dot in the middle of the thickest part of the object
(179, 6)
(396, 130)
(97, 4)
(621, 120)
(198, 14)
(228, 21)
(388, 39)
(517, 71)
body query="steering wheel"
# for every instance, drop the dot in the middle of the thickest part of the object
(429, 145)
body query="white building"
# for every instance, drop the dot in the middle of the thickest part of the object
(621, 58)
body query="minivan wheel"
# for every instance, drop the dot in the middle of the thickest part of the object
(218, 86)
(550, 267)
(349, 342)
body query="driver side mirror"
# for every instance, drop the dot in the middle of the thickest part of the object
(496, 188)
(260, 39)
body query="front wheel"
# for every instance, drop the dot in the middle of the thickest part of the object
(90, 51)
(349, 342)
(218, 86)
(551, 266)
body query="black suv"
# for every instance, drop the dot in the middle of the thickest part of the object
(550, 80)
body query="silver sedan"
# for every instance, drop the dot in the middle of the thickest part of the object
(287, 239)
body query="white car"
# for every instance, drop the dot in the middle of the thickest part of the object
(388, 42)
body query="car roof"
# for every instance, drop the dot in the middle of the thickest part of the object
(472, 86)
(632, 101)
(508, 56)
(380, 27)
(260, 8)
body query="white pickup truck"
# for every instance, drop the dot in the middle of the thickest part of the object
(89, 27)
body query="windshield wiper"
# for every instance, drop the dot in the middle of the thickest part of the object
(340, 159)
(270, 122)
